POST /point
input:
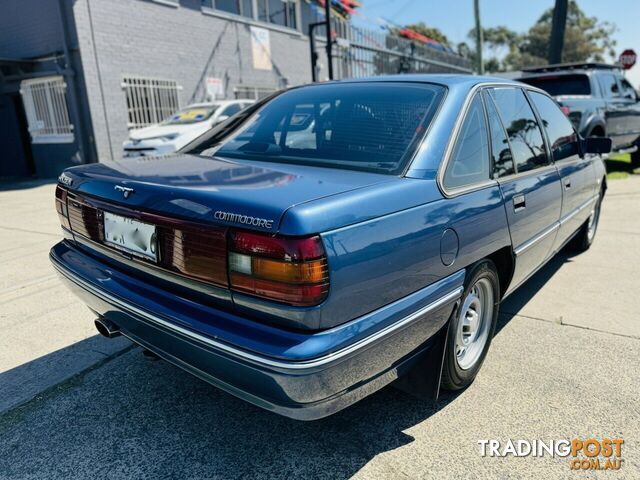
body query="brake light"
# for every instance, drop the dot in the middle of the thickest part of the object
(285, 269)
(565, 110)
(61, 207)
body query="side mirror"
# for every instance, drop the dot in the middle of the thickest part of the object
(222, 118)
(597, 145)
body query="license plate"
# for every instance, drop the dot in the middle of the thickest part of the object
(133, 236)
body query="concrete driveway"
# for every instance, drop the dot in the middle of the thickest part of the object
(563, 364)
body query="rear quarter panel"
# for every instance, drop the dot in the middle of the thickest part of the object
(600, 171)
(381, 260)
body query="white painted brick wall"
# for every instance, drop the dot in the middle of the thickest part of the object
(147, 38)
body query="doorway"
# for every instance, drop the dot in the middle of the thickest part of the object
(15, 141)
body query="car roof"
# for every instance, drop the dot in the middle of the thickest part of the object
(440, 78)
(556, 73)
(571, 67)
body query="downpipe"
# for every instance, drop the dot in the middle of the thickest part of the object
(107, 328)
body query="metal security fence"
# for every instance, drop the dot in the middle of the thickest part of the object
(45, 105)
(252, 92)
(150, 100)
(362, 52)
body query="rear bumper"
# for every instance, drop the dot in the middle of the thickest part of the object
(300, 375)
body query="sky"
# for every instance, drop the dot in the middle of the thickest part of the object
(455, 17)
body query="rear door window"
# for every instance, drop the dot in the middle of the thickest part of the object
(627, 90)
(500, 148)
(525, 137)
(563, 139)
(609, 85)
(469, 162)
(574, 84)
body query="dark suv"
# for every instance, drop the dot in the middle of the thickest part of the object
(597, 98)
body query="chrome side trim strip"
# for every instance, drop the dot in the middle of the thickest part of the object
(530, 243)
(245, 355)
(576, 211)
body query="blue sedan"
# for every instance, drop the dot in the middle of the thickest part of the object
(334, 238)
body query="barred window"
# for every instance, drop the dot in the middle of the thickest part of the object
(237, 7)
(279, 12)
(248, 92)
(45, 105)
(150, 100)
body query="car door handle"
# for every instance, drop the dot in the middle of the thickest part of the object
(567, 184)
(519, 202)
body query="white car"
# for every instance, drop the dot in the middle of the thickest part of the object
(180, 128)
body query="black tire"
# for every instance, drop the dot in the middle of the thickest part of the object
(587, 234)
(456, 376)
(635, 158)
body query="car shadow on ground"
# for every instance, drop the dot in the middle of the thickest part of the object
(9, 184)
(135, 415)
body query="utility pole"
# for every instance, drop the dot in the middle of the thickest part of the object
(314, 54)
(329, 47)
(312, 43)
(558, 25)
(479, 37)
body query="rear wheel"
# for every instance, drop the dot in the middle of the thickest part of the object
(587, 234)
(635, 158)
(472, 326)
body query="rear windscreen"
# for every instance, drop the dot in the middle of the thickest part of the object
(561, 84)
(371, 126)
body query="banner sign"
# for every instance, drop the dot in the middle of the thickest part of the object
(261, 48)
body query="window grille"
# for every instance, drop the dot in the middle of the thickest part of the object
(45, 105)
(237, 7)
(252, 92)
(150, 100)
(279, 12)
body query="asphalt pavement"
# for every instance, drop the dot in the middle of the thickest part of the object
(564, 364)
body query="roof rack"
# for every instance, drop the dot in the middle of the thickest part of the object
(572, 66)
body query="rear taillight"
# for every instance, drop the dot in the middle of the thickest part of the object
(61, 207)
(285, 269)
(565, 110)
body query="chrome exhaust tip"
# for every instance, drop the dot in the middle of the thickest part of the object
(107, 328)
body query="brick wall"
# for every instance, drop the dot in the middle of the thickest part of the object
(182, 43)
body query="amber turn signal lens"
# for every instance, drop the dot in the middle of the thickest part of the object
(308, 272)
(291, 270)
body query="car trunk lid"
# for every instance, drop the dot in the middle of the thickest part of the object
(214, 190)
(193, 201)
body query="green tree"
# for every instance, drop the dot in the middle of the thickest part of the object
(498, 42)
(585, 39)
